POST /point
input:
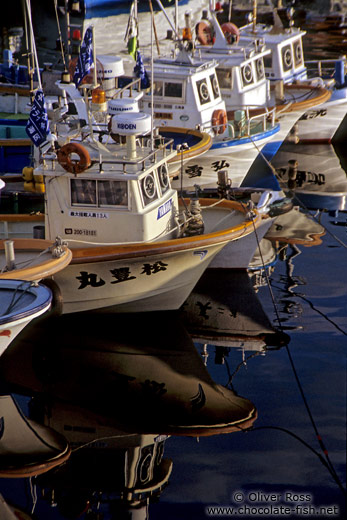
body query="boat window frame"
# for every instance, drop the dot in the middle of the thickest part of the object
(284, 48)
(163, 97)
(220, 71)
(244, 83)
(163, 189)
(198, 83)
(146, 201)
(97, 203)
(258, 75)
(298, 44)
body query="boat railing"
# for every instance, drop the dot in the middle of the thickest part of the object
(146, 154)
(328, 68)
(134, 85)
(245, 124)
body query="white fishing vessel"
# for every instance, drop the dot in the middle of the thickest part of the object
(133, 247)
(186, 93)
(286, 65)
(244, 81)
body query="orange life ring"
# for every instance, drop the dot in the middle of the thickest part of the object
(204, 33)
(219, 121)
(64, 158)
(231, 32)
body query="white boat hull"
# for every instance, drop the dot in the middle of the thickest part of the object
(150, 283)
(236, 160)
(320, 124)
(239, 253)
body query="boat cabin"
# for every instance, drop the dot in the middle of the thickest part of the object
(185, 93)
(286, 61)
(122, 196)
(240, 68)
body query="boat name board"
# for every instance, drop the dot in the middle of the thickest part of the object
(88, 214)
(164, 209)
(120, 274)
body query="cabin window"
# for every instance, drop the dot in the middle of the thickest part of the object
(149, 189)
(163, 176)
(259, 67)
(112, 193)
(204, 94)
(173, 90)
(298, 53)
(268, 61)
(247, 75)
(225, 78)
(215, 86)
(85, 192)
(287, 58)
(169, 89)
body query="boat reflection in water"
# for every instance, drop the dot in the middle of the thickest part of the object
(224, 310)
(111, 474)
(118, 400)
(315, 174)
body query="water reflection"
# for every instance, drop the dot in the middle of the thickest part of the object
(314, 174)
(116, 387)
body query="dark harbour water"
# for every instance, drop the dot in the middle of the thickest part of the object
(273, 461)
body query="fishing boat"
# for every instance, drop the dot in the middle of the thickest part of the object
(24, 263)
(244, 81)
(131, 244)
(286, 65)
(27, 449)
(186, 93)
(20, 303)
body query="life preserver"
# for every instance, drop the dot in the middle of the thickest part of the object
(204, 33)
(219, 121)
(64, 158)
(231, 32)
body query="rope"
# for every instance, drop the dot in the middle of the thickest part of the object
(321, 458)
(32, 39)
(59, 32)
(14, 301)
(327, 462)
(25, 263)
(33, 492)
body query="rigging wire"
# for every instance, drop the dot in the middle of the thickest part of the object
(327, 461)
(59, 33)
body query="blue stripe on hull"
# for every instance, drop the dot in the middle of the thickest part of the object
(246, 140)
